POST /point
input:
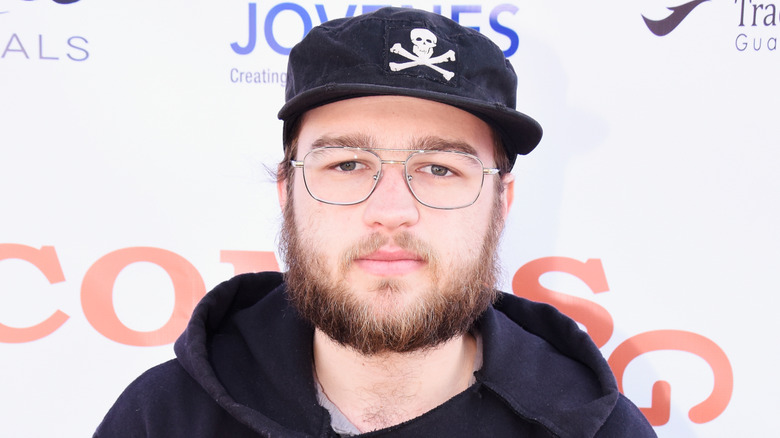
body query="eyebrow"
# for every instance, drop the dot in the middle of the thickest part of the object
(365, 141)
(352, 141)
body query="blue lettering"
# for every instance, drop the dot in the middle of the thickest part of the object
(9, 49)
(457, 12)
(324, 17)
(40, 50)
(514, 40)
(70, 43)
(741, 44)
(252, 33)
(269, 24)
(465, 9)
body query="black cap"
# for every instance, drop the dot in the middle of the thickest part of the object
(408, 52)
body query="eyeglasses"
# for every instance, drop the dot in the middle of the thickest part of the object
(438, 179)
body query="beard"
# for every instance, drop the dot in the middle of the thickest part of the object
(447, 307)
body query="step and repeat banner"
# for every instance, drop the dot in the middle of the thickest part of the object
(136, 139)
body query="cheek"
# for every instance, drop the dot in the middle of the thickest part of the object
(327, 228)
(459, 234)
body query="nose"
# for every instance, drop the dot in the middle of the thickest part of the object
(392, 204)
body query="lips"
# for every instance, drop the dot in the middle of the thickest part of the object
(390, 262)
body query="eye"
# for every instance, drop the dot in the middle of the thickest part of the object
(437, 170)
(349, 166)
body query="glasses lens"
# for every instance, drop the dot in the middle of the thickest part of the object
(340, 175)
(445, 179)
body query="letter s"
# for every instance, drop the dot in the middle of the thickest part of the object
(514, 41)
(659, 411)
(71, 44)
(45, 259)
(594, 317)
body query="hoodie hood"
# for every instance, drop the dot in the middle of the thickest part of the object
(251, 352)
(242, 337)
(546, 367)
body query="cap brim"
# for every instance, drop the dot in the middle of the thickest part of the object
(520, 133)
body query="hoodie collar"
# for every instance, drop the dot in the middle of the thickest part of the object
(248, 348)
(537, 360)
(545, 367)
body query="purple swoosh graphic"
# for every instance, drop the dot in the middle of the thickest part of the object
(668, 24)
(61, 2)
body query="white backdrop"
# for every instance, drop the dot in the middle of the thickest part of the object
(135, 136)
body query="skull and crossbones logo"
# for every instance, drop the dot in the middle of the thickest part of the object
(424, 42)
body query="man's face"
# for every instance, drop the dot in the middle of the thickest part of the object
(390, 274)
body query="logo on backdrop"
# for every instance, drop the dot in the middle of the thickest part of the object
(62, 2)
(600, 326)
(494, 23)
(98, 284)
(37, 45)
(665, 26)
(756, 23)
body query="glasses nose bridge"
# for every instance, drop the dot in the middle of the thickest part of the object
(383, 161)
(391, 162)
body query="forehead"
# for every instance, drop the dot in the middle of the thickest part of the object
(396, 122)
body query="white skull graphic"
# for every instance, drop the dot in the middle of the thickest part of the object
(424, 41)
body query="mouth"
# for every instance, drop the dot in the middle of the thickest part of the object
(386, 262)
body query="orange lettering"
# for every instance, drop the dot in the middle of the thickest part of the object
(98, 285)
(595, 318)
(45, 259)
(659, 411)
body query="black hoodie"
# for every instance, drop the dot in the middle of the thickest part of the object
(244, 369)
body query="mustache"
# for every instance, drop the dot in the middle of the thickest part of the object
(402, 239)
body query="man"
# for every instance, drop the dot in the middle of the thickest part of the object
(399, 133)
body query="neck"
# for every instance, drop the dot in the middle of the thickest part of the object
(382, 390)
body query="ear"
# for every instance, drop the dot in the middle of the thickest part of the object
(508, 180)
(281, 190)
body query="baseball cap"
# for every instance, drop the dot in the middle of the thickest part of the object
(408, 52)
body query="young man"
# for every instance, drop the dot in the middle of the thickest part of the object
(400, 132)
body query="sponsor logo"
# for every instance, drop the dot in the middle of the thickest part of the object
(665, 26)
(100, 311)
(61, 2)
(264, 26)
(22, 46)
(600, 326)
(41, 46)
(756, 23)
(98, 285)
